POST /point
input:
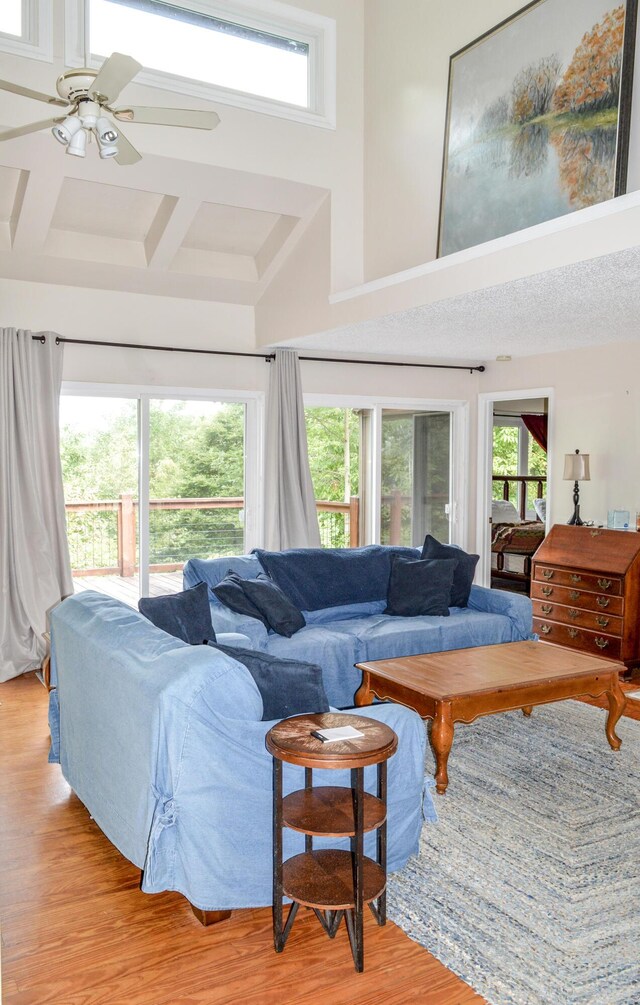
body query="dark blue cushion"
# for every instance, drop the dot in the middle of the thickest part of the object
(288, 687)
(464, 572)
(283, 616)
(314, 578)
(420, 587)
(186, 615)
(229, 592)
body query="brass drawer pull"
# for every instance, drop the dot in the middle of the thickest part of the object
(573, 613)
(602, 621)
(546, 608)
(573, 632)
(545, 629)
(574, 595)
(547, 573)
(602, 643)
(604, 584)
(574, 578)
(602, 601)
(547, 590)
(596, 533)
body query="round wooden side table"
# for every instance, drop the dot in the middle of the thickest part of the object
(332, 882)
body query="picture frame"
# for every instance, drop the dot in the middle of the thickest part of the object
(538, 118)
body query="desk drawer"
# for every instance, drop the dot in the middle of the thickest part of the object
(595, 582)
(594, 643)
(583, 600)
(601, 621)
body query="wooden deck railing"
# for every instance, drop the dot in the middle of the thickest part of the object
(521, 483)
(125, 509)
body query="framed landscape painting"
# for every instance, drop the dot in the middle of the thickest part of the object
(538, 118)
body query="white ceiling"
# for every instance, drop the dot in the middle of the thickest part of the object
(161, 226)
(594, 302)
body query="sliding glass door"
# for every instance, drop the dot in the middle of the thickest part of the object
(152, 481)
(415, 474)
(388, 471)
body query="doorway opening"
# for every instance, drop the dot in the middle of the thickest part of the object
(514, 485)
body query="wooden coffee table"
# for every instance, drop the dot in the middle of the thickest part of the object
(462, 684)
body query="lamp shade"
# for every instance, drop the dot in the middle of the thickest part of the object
(576, 467)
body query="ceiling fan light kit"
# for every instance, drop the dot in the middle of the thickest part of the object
(88, 94)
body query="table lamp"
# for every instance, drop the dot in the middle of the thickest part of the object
(576, 469)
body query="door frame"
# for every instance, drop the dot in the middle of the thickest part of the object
(486, 402)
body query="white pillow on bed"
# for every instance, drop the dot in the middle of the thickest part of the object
(503, 511)
(540, 506)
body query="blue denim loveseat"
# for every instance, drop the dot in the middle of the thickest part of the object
(346, 625)
(164, 743)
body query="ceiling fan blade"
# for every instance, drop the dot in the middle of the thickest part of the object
(127, 153)
(33, 127)
(8, 85)
(114, 74)
(190, 117)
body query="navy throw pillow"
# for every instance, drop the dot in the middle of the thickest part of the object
(281, 614)
(229, 592)
(186, 615)
(465, 569)
(419, 586)
(287, 687)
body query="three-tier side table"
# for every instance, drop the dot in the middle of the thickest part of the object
(333, 882)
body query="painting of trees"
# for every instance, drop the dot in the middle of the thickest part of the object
(591, 82)
(533, 89)
(538, 119)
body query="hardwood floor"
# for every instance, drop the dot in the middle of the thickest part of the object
(76, 930)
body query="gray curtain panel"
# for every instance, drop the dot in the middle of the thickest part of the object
(34, 557)
(291, 520)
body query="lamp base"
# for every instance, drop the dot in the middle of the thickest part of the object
(575, 520)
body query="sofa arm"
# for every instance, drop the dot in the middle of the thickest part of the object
(514, 606)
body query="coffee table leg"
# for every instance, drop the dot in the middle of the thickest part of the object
(441, 739)
(527, 710)
(617, 702)
(363, 695)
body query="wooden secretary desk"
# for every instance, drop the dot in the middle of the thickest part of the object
(585, 588)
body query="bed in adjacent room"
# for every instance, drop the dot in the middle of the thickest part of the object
(514, 541)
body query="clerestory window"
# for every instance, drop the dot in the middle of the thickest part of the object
(25, 28)
(268, 57)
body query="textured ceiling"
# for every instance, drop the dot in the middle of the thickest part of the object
(589, 303)
(87, 207)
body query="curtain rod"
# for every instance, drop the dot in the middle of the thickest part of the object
(267, 357)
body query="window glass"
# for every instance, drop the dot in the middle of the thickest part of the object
(416, 476)
(201, 47)
(11, 17)
(334, 438)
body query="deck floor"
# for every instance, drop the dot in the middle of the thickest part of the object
(126, 588)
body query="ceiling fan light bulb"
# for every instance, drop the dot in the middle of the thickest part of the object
(65, 131)
(78, 144)
(106, 132)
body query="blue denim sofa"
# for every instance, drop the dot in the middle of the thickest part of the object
(353, 631)
(164, 744)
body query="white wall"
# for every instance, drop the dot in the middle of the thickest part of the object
(407, 49)
(596, 409)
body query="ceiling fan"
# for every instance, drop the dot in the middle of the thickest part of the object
(87, 95)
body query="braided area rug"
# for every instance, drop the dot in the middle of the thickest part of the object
(528, 887)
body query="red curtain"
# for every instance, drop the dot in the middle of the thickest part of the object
(537, 426)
